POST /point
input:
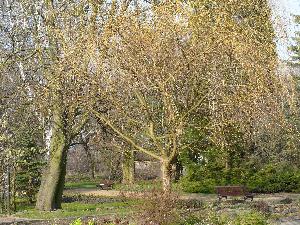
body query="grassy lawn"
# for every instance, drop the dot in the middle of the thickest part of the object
(139, 185)
(145, 186)
(85, 182)
(88, 183)
(79, 209)
(81, 184)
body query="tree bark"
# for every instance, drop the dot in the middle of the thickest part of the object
(128, 167)
(8, 200)
(166, 171)
(92, 167)
(91, 160)
(50, 193)
(178, 170)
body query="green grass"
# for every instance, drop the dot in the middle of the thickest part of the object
(81, 184)
(88, 183)
(139, 186)
(79, 209)
(84, 182)
(146, 186)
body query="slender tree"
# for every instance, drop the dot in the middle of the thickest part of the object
(295, 48)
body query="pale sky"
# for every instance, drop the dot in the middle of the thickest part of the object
(285, 9)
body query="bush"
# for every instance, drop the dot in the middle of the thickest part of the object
(191, 203)
(158, 208)
(79, 222)
(275, 178)
(206, 186)
(213, 218)
(261, 206)
(250, 218)
(272, 178)
(191, 220)
(205, 217)
(29, 170)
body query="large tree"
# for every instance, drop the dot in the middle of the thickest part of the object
(169, 65)
(53, 46)
(46, 43)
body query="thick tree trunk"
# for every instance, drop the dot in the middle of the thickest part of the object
(128, 167)
(166, 171)
(50, 192)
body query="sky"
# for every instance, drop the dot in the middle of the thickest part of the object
(285, 9)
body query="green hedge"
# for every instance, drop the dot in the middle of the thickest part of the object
(273, 178)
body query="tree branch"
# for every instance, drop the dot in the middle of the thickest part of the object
(124, 136)
(78, 127)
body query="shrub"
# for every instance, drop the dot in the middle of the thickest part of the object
(286, 201)
(275, 178)
(79, 222)
(29, 169)
(191, 220)
(261, 207)
(191, 203)
(76, 222)
(207, 217)
(272, 178)
(205, 186)
(250, 218)
(158, 208)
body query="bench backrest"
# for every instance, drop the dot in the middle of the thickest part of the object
(231, 190)
(107, 182)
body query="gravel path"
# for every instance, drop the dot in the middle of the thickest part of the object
(294, 221)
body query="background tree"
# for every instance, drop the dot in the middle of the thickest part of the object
(295, 49)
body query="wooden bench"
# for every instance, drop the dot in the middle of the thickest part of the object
(225, 191)
(106, 185)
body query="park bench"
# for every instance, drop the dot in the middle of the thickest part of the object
(105, 184)
(225, 191)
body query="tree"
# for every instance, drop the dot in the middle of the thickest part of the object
(75, 33)
(293, 105)
(45, 52)
(165, 69)
(295, 48)
(128, 166)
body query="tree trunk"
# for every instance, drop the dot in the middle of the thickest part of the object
(92, 168)
(51, 190)
(128, 167)
(8, 200)
(166, 171)
(91, 161)
(178, 171)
